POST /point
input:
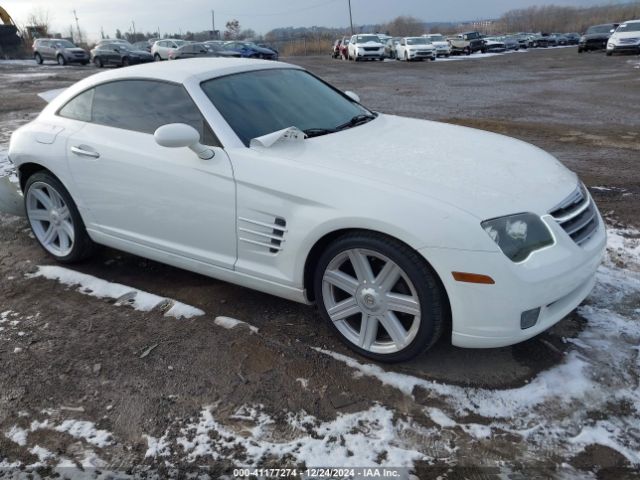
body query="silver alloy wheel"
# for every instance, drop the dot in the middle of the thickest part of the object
(378, 312)
(50, 219)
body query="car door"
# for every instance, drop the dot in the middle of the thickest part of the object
(132, 191)
(48, 50)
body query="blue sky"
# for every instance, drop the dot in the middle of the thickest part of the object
(261, 16)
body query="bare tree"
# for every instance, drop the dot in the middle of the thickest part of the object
(232, 29)
(404, 26)
(40, 20)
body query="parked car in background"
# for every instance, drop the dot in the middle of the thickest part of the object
(539, 41)
(365, 47)
(161, 48)
(391, 47)
(397, 238)
(442, 46)
(118, 54)
(626, 38)
(59, 50)
(217, 47)
(250, 50)
(344, 48)
(510, 42)
(525, 40)
(113, 40)
(493, 45)
(335, 50)
(269, 47)
(192, 50)
(466, 43)
(596, 37)
(143, 45)
(415, 48)
(573, 38)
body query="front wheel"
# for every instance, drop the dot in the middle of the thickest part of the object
(609, 54)
(61, 60)
(157, 58)
(38, 58)
(55, 220)
(98, 62)
(380, 296)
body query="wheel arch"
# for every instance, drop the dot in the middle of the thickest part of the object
(323, 242)
(26, 170)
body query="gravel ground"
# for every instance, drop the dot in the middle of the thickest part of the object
(90, 384)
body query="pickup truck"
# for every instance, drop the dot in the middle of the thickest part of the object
(467, 43)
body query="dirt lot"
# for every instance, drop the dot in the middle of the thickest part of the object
(90, 385)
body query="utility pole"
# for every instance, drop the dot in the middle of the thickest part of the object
(213, 24)
(133, 28)
(350, 17)
(77, 27)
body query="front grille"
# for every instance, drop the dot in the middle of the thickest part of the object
(629, 40)
(371, 49)
(577, 215)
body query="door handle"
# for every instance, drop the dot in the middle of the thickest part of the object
(85, 153)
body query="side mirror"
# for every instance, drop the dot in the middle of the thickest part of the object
(181, 135)
(353, 96)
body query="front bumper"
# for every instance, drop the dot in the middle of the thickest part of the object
(415, 54)
(77, 59)
(556, 279)
(626, 48)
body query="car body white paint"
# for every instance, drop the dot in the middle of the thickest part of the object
(359, 50)
(423, 51)
(429, 185)
(442, 46)
(163, 47)
(622, 40)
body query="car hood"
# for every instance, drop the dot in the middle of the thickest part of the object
(440, 44)
(74, 50)
(619, 35)
(266, 51)
(140, 53)
(486, 174)
(369, 44)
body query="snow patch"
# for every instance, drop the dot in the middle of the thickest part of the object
(370, 437)
(17, 435)
(231, 323)
(96, 287)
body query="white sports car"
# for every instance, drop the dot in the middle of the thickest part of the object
(261, 174)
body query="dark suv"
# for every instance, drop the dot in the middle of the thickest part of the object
(596, 37)
(59, 50)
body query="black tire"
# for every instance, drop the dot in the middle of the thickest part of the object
(431, 294)
(609, 54)
(83, 246)
(84, 63)
(157, 58)
(61, 60)
(98, 62)
(126, 62)
(38, 58)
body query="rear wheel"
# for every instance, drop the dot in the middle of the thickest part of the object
(55, 220)
(380, 296)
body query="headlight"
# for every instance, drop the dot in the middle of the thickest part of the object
(583, 39)
(518, 235)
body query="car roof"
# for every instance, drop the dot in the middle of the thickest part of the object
(180, 72)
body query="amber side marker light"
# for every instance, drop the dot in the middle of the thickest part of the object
(473, 278)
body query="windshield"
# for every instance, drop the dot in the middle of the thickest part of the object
(265, 101)
(64, 44)
(600, 29)
(629, 27)
(367, 38)
(437, 38)
(417, 41)
(472, 35)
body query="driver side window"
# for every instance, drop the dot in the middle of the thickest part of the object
(140, 106)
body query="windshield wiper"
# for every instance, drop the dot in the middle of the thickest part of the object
(316, 132)
(357, 120)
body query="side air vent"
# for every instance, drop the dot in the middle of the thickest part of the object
(263, 234)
